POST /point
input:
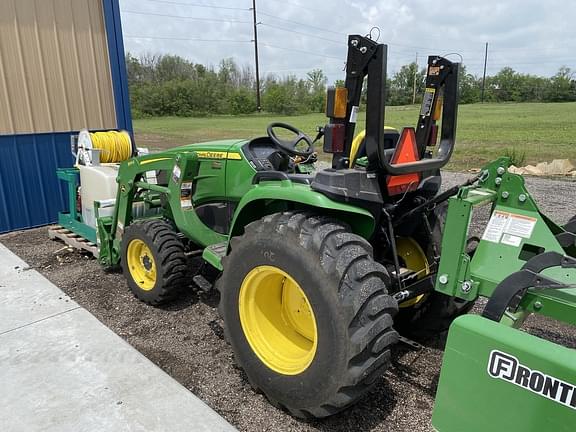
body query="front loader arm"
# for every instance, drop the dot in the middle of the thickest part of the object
(182, 169)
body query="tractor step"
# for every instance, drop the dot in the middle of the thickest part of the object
(72, 239)
(213, 254)
(202, 283)
(409, 342)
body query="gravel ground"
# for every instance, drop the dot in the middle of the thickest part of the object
(186, 338)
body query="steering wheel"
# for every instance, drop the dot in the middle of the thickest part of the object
(289, 147)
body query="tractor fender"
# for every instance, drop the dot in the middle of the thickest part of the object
(276, 196)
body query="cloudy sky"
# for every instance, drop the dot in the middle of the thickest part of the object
(296, 36)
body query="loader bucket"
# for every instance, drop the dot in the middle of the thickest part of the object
(496, 378)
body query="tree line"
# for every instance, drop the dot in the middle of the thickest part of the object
(168, 85)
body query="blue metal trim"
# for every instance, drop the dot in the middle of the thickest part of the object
(117, 64)
(30, 193)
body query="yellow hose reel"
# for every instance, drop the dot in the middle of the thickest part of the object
(112, 146)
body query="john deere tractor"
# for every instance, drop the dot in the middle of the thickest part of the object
(317, 271)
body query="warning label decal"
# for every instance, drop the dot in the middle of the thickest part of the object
(428, 101)
(354, 114)
(186, 195)
(511, 240)
(509, 228)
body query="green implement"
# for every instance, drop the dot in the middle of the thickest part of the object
(494, 376)
(497, 378)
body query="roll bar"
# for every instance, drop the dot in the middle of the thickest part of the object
(367, 58)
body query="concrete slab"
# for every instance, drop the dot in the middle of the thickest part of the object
(63, 370)
(25, 296)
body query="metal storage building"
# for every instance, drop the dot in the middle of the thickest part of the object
(61, 70)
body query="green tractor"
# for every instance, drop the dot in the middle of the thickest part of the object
(317, 271)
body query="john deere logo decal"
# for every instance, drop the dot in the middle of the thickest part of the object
(507, 368)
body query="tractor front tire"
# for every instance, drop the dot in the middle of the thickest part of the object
(153, 261)
(306, 310)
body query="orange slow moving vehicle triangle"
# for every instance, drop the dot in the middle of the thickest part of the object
(406, 152)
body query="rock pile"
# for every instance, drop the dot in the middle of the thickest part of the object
(558, 167)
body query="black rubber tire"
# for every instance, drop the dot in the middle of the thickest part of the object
(347, 292)
(570, 226)
(436, 313)
(168, 254)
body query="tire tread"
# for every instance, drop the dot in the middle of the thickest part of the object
(170, 257)
(362, 288)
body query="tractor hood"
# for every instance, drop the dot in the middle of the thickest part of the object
(215, 147)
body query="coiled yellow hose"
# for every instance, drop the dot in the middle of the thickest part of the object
(114, 146)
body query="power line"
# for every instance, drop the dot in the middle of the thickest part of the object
(300, 24)
(208, 6)
(550, 61)
(185, 17)
(234, 21)
(434, 50)
(323, 11)
(300, 33)
(308, 69)
(186, 39)
(425, 49)
(285, 2)
(301, 51)
(532, 50)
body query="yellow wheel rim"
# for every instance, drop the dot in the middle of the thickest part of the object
(277, 320)
(141, 264)
(414, 259)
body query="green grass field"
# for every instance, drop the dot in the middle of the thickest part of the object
(541, 132)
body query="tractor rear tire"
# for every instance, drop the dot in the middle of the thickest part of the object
(570, 226)
(435, 314)
(153, 261)
(306, 310)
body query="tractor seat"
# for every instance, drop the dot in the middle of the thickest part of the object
(301, 178)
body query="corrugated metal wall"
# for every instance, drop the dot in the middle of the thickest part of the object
(61, 69)
(30, 193)
(54, 67)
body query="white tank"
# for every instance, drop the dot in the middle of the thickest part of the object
(97, 183)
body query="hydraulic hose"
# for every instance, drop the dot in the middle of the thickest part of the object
(114, 146)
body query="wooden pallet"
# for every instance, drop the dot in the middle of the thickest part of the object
(72, 239)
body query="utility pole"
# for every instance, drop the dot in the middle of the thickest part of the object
(414, 86)
(258, 106)
(484, 75)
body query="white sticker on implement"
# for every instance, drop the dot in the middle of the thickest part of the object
(354, 114)
(508, 228)
(495, 227)
(511, 240)
(521, 226)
